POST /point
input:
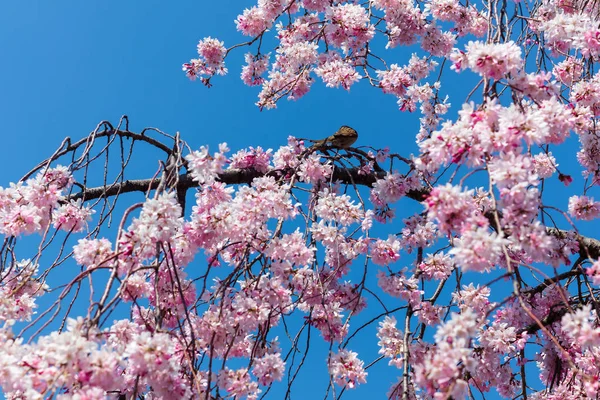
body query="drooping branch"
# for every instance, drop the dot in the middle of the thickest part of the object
(67, 147)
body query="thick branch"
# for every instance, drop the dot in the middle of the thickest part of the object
(554, 316)
(551, 281)
(347, 176)
(588, 248)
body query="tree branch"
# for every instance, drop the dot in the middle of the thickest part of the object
(589, 248)
(347, 176)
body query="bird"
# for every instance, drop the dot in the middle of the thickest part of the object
(343, 138)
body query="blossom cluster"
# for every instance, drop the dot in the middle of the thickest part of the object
(344, 31)
(31, 206)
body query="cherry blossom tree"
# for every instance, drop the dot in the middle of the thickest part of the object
(210, 277)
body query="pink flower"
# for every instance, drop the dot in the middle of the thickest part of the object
(291, 248)
(335, 72)
(392, 188)
(312, 170)
(404, 21)
(510, 169)
(92, 252)
(212, 51)
(586, 92)
(253, 21)
(594, 272)
(418, 232)
(544, 165)
(212, 55)
(592, 40)
(429, 314)
(204, 167)
(159, 220)
(441, 368)
(253, 158)
(391, 341)
(500, 337)
(477, 249)
(437, 266)
(59, 176)
(349, 26)
(474, 298)
(316, 5)
(494, 60)
(327, 318)
(584, 208)
(568, 71)
(385, 252)
(395, 80)
(580, 328)
(287, 156)
(453, 209)
(382, 154)
(537, 86)
(346, 369)
(339, 208)
(72, 216)
(26, 207)
(398, 285)
(254, 68)
(269, 368)
(437, 42)
(445, 10)
(238, 383)
(20, 219)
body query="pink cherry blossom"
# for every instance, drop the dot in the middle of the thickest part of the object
(578, 326)
(269, 368)
(544, 165)
(339, 208)
(493, 60)
(253, 21)
(72, 216)
(347, 369)
(92, 253)
(436, 266)
(385, 252)
(391, 341)
(256, 159)
(594, 272)
(211, 54)
(254, 69)
(452, 208)
(312, 170)
(348, 26)
(584, 207)
(335, 72)
(291, 248)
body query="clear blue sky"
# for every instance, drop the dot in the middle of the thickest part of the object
(69, 65)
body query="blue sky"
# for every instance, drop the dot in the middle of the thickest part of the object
(69, 65)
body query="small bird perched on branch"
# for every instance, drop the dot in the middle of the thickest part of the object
(343, 138)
